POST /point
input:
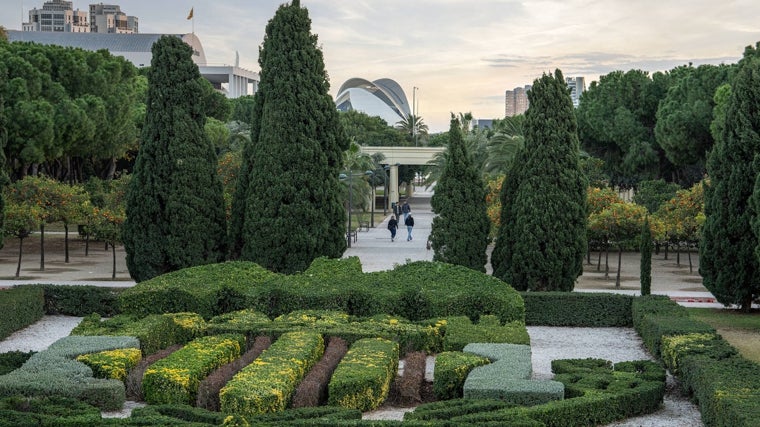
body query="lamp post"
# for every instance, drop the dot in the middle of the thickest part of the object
(385, 192)
(350, 177)
(372, 202)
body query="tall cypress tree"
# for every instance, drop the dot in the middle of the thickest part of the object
(728, 259)
(289, 210)
(174, 205)
(459, 232)
(645, 265)
(542, 237)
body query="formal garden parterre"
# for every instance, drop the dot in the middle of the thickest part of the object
(476, 324)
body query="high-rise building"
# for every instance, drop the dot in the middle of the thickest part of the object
(57, 16)
(516, 101)
(577, 86)
(108, 18)
(60, 16)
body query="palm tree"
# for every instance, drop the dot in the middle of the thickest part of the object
(502, 149)
(355, 163)
(413, 128)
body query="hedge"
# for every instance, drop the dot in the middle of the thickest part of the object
(81, 301)
(175, 379)
(460, 331)
(112, 364)
(267, 384)
(155, 332)
(451, 370)
(21, 306)
(363, 378)
(415, 291)
(578, 309)
(54, 372)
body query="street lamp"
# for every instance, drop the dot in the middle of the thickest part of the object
(350, 177)
(385, 193)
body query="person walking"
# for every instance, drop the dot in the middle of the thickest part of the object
(406, 209)
(392, 226)
(409, 222)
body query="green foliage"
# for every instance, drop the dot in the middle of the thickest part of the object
(460, 331)
(591, 310)
(21, 306)
(267, 384)
(542, 238)
(370, 130)
(12, 360)
(175, 379)
(645, 248)
(451, 370)
(113, 364)
(54, 372)
(175, 208)
(179, 413)
(288, 209)
(81, 300)
(655, 318)
(47, 411)
(652, 194)
(363, 377)
(728, 252)
(460, 229)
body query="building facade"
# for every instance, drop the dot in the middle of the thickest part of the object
(516, 101)
(577, 86)
(59, 16)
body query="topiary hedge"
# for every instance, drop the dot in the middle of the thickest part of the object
(578, 309)
(363, 378)
(81, 301)
(21, 306)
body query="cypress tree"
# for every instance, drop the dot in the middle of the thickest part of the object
(174, 205)
(289, 209)
(728, 259)
(542, 237)
(645, 248)
(459, 232)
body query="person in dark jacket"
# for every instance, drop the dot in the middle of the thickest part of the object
(392, 226)
(409, 222)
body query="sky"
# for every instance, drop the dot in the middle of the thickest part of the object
(462, 55)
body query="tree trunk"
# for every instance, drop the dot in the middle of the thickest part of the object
(678, 254)
(607, 261)
(113, 251)
(599, 261)
(20, 247)
(691, 267)
(87, 243)
(620, 261)
(667, 245)
(111, 168)
(66, 242)
(42, 247)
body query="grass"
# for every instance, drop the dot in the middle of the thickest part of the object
(741, 330)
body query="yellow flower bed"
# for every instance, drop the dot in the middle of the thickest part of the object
(267, 384)
(112, 364)
(176, 378)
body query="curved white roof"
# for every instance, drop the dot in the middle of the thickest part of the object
(383, 97)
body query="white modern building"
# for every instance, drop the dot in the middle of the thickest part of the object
(577, 86)
(136, 48)
(383, 98)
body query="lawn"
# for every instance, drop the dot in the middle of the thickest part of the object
(741, 330)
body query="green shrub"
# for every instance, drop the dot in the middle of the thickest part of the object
(81, 301)
(175, 379)
(451, 370)
(267, 384)
(112, 364)
(460, 331)
(13, 360)
(180, 413)
(48, 411)
(656, 317)
(54, 372)
(363, 378)
(674, 348)
(155, 332)
(577, 309)
(202, 289)
(444, 410)
(21, 306)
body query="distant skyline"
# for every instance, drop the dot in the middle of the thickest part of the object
(462, 55)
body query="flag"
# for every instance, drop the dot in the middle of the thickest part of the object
(190, 15)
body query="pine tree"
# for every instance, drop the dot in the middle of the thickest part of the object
(728, 259)
(459, 232)
(645, 265)
(289, 210)
(542, 237)
(174, 205)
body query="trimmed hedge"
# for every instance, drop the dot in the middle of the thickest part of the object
(578, 309)
(48, 411)
(175, 379)
(451, 370)
(21, 306)
(267, 384)
(54, 372)
(363, 378)
(460, 331)
(155, 332)
(416, 291)
(112, 364)
(81, 301)
(13, 360)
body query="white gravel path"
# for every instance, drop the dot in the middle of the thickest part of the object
(547, 344)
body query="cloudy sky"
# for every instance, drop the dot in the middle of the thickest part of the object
(462, 55)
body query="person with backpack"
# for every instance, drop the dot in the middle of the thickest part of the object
(406, 209)
(409, 222)
(392, 226)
